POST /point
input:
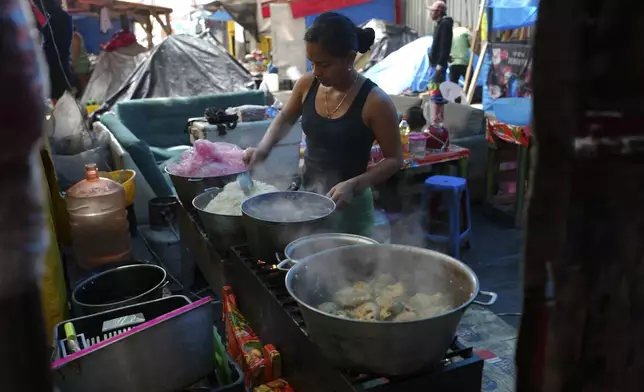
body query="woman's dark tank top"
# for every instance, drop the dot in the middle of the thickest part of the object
(337, 149)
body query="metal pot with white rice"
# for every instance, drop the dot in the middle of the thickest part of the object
(220, 212)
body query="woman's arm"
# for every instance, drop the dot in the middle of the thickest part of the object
(382, 118)
(284, 121)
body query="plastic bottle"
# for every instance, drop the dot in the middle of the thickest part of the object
(404, 136)
(98, 220)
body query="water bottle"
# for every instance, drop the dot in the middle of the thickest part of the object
(404, 137)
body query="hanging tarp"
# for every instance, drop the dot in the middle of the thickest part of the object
(389, 38)
(303, 8)
(111, 70)
(406, 69)
(183, 66)
(513, 14)
(244, 12)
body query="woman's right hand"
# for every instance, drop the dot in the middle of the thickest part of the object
(253, 156)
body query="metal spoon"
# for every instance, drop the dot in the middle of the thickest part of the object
(245, 183)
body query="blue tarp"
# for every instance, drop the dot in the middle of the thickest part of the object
(90, 28)
(408, 68)
(507, 15)
(513, 14)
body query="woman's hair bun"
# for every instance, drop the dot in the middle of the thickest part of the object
(365, 39)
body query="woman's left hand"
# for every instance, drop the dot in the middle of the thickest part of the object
(342, 193)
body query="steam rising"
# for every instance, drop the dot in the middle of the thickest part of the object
(285, 207)
(418, 270)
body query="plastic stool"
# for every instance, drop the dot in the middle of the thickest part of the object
(454, 190)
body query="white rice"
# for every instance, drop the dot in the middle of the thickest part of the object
(229, 201)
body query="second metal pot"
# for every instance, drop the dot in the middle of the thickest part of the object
(224, 231)
(273, 220)
(188, 188)
(304, 247)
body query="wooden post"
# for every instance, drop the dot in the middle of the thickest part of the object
(477, 37)
(477, 72)
(148, 31)
(585, 220)
(164, 25)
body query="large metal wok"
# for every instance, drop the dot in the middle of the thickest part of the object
(381, 347)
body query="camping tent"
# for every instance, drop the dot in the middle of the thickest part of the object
(389, 38)
(111, 70)
(407, 69)
(183, 66)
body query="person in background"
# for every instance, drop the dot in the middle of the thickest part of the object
(460, 54)
(81, 65)
(342, 114)
(442, 43)
(57, 42)
(415, 119)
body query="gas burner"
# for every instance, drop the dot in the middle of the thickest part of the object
(275, 316)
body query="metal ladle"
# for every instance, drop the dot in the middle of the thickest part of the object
(245, 183)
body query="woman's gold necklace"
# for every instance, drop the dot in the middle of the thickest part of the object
(326, 98)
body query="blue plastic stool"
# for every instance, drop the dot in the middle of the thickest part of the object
(454, 192)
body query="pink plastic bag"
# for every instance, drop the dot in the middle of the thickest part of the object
(208, 159)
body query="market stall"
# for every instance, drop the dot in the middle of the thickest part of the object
(507, 100)
(146, 15)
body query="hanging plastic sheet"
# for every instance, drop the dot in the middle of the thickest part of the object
(183, 66)
(513, 14)
(244, 12)
(406, 69)
(302, 8)
(111, 70)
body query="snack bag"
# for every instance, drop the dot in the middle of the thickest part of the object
(241, 335)
(275, 386)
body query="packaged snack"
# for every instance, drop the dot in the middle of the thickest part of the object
(273, 363)
(279, 385)
(247, 343)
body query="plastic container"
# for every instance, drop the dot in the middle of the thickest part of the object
(98, 220)
(404, 136)
(162, 346)
(125, 178)
(417, 145)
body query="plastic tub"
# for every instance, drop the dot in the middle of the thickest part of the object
(417, 145)
(126, 179)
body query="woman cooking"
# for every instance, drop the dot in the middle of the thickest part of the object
(342, 114)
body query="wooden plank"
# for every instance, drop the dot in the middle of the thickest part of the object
(126, 5)
(166, 27)
(585, 243)
(477, 36)
(477, 72)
